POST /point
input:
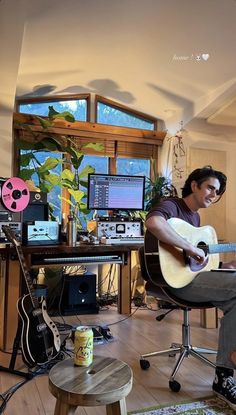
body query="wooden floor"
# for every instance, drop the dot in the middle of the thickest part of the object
(133, 336)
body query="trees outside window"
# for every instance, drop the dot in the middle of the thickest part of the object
(77, 107)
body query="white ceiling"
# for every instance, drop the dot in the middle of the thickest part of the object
(141, 53)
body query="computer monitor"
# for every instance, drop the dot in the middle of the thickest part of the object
(120, 192)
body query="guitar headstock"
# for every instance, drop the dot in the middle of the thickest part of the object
(10, 234)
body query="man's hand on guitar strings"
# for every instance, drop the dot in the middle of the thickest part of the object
(197, 254)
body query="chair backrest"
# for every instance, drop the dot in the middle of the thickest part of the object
(142, 264)
(151, 288)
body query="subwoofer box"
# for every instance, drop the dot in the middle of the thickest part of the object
(79, 294)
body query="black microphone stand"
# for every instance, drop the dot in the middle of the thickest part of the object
(16, 344)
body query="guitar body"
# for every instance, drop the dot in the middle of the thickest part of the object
(169, 264)
(177, 270)
(40, 339)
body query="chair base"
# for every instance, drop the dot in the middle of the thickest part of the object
(185, 350)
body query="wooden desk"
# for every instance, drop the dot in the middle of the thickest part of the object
(11, 283)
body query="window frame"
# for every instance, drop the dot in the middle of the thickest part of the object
(53, 98)
(138, 114)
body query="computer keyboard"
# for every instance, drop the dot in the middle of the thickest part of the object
(126, 240)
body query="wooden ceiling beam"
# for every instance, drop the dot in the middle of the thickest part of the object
(90, 130)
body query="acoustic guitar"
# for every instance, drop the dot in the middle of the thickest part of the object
(176, 268)
(40, 339)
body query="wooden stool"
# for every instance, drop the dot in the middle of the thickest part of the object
(106, 381)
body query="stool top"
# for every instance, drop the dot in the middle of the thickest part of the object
(105, 381)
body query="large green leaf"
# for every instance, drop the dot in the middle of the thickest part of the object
(54, 179)
(68, 175)
(83, 208)
(46, 187)
(50, 163)
(86, 170)
(25, 159)
(44, 122)
(67, 184)
(66, 200)
(76, 161)
(83, 183)
(52, 144)
(52, 112)
(66, 115)
(77, 194)
(94, 146)
(26, 174)
(71, 151)
(40, 146)
(25, 145)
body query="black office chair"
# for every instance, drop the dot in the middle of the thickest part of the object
(185, 348)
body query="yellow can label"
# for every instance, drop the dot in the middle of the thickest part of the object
(83, 346)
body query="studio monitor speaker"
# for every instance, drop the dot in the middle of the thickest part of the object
(79, 294)
(37, 208)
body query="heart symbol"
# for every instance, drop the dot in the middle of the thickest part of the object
(205, 56)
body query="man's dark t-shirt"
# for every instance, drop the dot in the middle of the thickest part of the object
(175, 208)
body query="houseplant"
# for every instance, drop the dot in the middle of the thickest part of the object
(156, 189)
(46, 172)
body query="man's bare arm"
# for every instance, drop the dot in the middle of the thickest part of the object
(161, 229)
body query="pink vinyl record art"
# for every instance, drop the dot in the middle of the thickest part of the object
(15, 194)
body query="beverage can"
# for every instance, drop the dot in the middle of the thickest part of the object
(83, 346)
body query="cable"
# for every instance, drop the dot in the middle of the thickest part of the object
(100, 284)
(8, 352)
(6, 396)
(123, 319)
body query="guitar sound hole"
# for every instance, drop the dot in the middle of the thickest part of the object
(202, 245)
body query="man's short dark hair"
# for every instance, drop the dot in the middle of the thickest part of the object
(200, 176)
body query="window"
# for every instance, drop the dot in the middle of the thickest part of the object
(112, 113)
(125, 151)
(134, 167)
(76, 105)
(132, 158)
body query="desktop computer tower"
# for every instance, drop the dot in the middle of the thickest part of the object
(79, 294)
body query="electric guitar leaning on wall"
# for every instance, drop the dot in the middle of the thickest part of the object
(40, 339)
(176, 268)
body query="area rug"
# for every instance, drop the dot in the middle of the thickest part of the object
(205, 406)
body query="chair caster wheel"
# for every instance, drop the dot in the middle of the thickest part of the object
(174, 385)
(144, 364)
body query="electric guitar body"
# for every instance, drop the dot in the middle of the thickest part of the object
(40, 339)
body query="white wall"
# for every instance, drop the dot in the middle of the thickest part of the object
(214, 142)
(11, 34)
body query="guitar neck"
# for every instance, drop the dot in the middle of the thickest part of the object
(12, 238)
(220, 248)
(27, 276)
